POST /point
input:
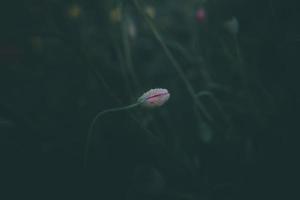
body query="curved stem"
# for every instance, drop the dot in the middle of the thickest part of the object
(90, 133)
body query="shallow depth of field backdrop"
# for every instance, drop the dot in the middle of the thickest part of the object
(225, 133)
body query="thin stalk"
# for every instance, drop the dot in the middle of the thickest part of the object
(187, 55)
(127, 49)
(100, 114)
(241, 62)
(216, 102)
(123, 69)
(237, 48)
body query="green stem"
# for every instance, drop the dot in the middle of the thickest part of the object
(174, 62)
(100, 114)
(238, 51)
(216, 102)
(127, 49)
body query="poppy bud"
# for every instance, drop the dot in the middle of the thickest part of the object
(154, 98)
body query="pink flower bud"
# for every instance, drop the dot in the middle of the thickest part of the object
(154, 98)
(201, 15)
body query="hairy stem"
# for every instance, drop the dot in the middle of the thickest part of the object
(100, 114)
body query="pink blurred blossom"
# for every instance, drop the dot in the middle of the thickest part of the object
(201, 15)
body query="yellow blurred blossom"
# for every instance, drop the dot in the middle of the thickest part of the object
(74, 11)
(116, 15)
(150, 11)
(36, 42)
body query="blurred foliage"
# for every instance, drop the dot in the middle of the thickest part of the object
(231, 75)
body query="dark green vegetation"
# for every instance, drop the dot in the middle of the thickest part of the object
(225, 133)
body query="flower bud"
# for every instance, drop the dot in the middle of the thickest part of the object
(154, 98)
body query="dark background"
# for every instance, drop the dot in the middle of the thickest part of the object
(61, 62)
